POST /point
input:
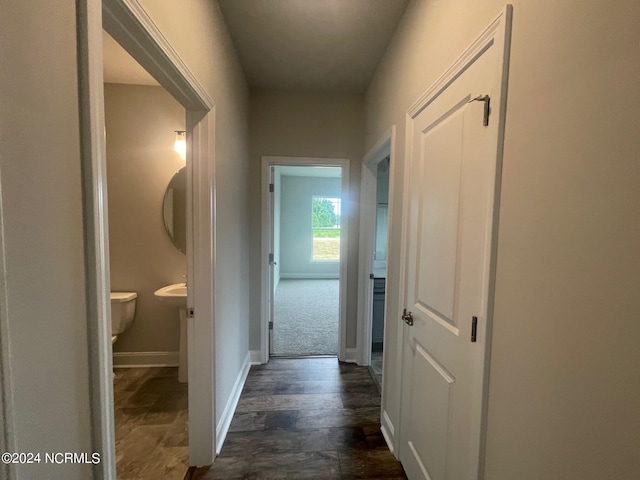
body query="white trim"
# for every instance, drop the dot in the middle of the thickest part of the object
(130, 25)
(255, 356)
(7, 439)
(387, 429)
(381, 150)
(347, 204)
(127, 22)
(232, 403)
(145, 359)
(494, 33)
(311, 276)
(386, 421)
(498, 33)
(350, 355)
(201, 268)
(501, 26)
(400, 340)
(386, 146)
(96, 234)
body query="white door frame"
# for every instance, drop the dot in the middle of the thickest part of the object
(267, 225)
(368, 187)
(128, 23)
(7, 439)
(498, 33)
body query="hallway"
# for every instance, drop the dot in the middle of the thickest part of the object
(306, 418)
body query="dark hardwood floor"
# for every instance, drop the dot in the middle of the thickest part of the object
(306, 418)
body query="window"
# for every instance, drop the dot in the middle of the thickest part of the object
(325, 224)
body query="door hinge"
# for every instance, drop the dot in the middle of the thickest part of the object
(270, 325)
(487, 100)
(474, 329)
(271, 258)
(271, 188)
(190, 312)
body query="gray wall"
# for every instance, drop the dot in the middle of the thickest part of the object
(197, 31)
(42, 269)
(140, 125)
(307, 125)
(43, 274)
(564, 389)
(295, 226)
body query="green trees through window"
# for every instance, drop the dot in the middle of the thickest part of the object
(325, 224)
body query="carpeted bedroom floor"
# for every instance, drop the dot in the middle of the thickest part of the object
(306, 317)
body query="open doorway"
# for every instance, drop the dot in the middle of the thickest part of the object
(379, 270)
(305, 213)
(138, 35)
(146, 168)
(307, 208)
(376, 180)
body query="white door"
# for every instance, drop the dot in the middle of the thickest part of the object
(452, 189)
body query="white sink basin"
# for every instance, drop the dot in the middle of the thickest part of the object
(173, 295)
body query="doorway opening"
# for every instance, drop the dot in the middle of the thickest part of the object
(307, 207)
(305, 213)
(134, 30)
(376, 185)
(145, 174)
(379, 269)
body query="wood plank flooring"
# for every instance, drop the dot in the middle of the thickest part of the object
(306, 418)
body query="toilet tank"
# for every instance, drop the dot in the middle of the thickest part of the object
(123, 309)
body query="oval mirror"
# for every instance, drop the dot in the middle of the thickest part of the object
(174, 209)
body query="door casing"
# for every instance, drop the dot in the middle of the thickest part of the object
(498, 35)
(128, 23)
(381, 150)
(267, 226)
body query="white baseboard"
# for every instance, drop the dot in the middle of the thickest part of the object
(350, 355)
(386, 427)
(145, 359)
(255, 356)
(311, 276)
(230, 408)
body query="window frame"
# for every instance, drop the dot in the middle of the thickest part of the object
(338, 227)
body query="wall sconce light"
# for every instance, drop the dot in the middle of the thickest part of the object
(180, 144)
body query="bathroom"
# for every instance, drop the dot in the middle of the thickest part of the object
(150, 401)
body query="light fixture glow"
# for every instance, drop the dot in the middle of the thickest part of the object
(180, 144)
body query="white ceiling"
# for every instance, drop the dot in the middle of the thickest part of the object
(120, 67)
(300, 45)
(311, 45)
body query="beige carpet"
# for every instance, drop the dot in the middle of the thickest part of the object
(306, 318)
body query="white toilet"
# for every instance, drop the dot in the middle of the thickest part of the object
(123, 309)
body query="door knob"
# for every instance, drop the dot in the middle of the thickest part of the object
(407, 317)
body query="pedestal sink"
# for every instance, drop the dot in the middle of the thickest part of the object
(176, 296)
